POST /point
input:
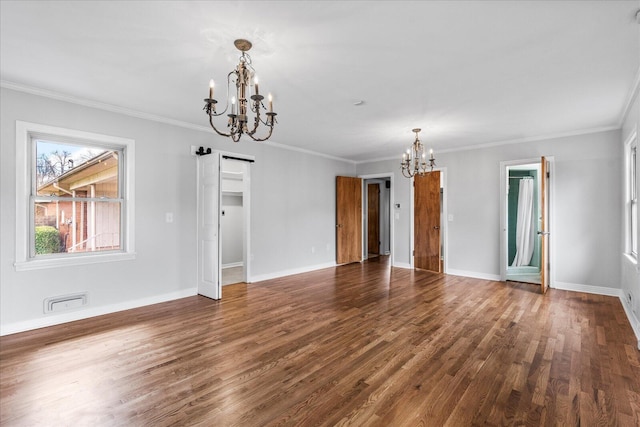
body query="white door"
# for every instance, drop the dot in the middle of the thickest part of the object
(209, 280)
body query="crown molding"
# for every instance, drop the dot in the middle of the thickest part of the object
(507, 142)
(142, 115)
(314, 153)
(633, 94)
(186, 125)
(98, 105)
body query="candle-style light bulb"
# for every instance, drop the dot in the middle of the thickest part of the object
(211, 85)
(255, 84)
(270, 103)
(431, 153)
(233, 105)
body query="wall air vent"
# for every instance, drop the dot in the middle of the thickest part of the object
(65, 302)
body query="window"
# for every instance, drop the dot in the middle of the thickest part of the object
(632, 196)
(74, 197)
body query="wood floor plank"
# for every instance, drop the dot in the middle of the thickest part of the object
(362, 344)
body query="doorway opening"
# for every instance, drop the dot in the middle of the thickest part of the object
(223, 190)
(234, 220)
(523, 222)
(525, 217)
(377, 224)
(377, 217)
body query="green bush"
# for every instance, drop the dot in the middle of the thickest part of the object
(47, 240)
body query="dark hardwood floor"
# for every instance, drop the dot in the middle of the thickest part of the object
(361, 344)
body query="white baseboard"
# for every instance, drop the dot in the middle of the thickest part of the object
(589, 289)
(232, 264)
(283, 273)
(633, 320)
(475, 275)
(71, 316)
(610, 292)
(401, 265)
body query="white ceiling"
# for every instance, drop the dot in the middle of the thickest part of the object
(466, 72)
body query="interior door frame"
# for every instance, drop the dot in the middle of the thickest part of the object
(246, 210)
(504, 165)
(444, 220)
(389, 176)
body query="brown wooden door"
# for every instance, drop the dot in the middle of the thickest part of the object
(426, 221)
(544, 226)
(373, 218)
(348, 219)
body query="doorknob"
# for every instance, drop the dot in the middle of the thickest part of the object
(436, 228)
(543, 233)
(338, 225)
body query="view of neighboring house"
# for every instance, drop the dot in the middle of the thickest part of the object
(84, 225)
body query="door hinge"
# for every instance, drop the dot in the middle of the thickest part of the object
(548, 174)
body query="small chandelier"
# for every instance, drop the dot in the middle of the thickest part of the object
(243, 102)
(414, 161)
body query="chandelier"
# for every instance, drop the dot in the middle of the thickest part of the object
(244, 101)
(414, 161)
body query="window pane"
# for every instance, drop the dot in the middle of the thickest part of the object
(76, 226)
(633, 173)
(634, 227)
(633, 196)
(67, 170)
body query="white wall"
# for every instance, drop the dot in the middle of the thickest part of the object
(231, 231)
(587, 207)
(293, 211)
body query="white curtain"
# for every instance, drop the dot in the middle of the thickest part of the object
(524, 224)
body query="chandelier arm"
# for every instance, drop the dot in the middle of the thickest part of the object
(212, 114)
(214, 128)
(255, 106)
(226, 107)
(256, 122)
(261, 139)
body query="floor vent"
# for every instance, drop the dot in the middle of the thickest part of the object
(65, 302)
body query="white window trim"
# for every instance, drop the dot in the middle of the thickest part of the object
(25, 132)
(631, 141)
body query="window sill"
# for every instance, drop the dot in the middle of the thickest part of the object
(38, 264)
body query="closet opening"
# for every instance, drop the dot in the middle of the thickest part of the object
(234, 220)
